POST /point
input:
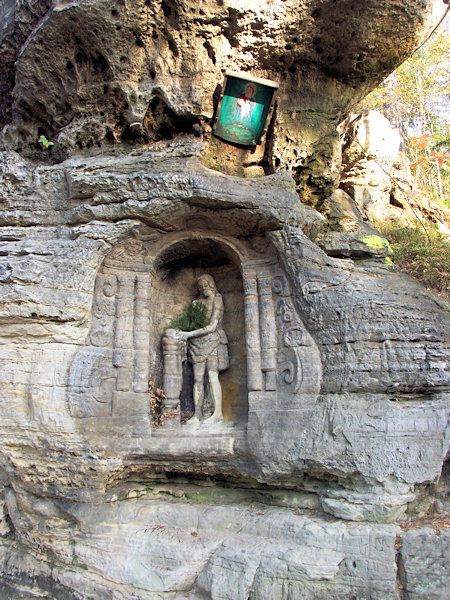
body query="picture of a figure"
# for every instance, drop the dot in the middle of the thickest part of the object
(244, 109)
(244, 106)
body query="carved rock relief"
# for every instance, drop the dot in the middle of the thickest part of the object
(299, 365)
(143, 283)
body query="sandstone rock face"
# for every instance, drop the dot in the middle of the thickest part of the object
(424, 563)
(370, 148)
(376, 182)
(350, 422)
(150, 546)
(335, 402)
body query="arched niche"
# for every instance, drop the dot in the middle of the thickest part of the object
(174, 284)
(273, 381)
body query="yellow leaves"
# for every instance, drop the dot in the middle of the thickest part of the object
(419, 141)
(440, 157)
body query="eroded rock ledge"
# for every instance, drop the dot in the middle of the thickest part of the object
(90, 74)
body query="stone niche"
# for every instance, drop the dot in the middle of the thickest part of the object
(144, 282)
(177, 270)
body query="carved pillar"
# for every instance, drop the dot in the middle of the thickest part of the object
(142, 332)
(254, 374)
(174, 352)
(268, 332)
(123, 335)
(103, 311)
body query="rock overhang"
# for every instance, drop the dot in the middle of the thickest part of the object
(88, 69)
(169, 193)
(178, 200)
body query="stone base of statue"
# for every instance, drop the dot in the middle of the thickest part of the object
(174, 352)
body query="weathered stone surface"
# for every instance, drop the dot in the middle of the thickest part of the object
(171, 548)
(382, 437)
(4, 527)
(367, 338)
(424, 563)
(17, 20)
(347, 234)
(344, 245)
(343, 215)
(367, 439)
(377, 176)
(380, 320)
(165, 188)
(370, 149)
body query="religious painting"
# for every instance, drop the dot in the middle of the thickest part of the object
(244, 108)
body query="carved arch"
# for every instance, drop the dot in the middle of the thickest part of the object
(108, 379)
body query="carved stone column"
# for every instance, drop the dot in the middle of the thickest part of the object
(252, 329)
(142, 333)
(123, 335)
(174, 352)
(268, 332)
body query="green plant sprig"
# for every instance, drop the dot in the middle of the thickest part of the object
(193, 317)
(45, 142)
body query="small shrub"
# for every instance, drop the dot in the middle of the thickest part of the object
(193, 317)
(156, 402)
(45, 142)
(427, 260)
(157, 397)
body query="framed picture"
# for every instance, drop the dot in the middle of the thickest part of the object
(244, 108)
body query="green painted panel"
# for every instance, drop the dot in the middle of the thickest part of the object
(243, 111)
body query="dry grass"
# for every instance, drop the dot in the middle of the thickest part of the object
(425, 258)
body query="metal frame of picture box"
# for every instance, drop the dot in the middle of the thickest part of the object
(244, 108)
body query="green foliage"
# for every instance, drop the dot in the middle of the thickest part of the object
(427, 260)
(193, 317)
(416, 99)
(45, 142)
